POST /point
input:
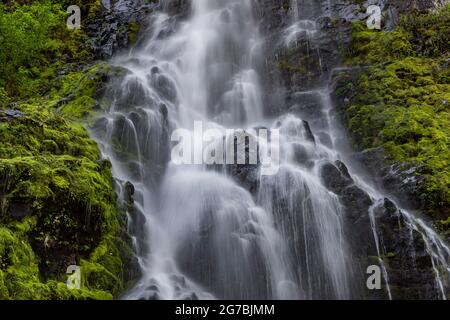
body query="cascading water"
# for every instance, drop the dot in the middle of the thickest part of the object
(199, 231)
(204, 235)
(437, 251)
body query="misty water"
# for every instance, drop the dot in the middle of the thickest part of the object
(199, 231)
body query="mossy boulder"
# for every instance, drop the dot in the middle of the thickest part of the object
(58, 206)
(52, 172)
(81, 95)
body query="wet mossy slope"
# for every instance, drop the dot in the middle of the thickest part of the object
(400, 101)
(58, 206)
(58, 209)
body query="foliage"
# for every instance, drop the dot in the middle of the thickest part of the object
(57, 202)
(402, 99)
(52, 171)
(36, 44)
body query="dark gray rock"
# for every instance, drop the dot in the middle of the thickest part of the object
(246, 174)
(111, 30)
(335, 178)
(411, 274)
(308, 132)
(397, 179)
(301, 155)
(20, 210)
(8, 115)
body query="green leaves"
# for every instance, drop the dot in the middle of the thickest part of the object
(27, 44)
(35, 42)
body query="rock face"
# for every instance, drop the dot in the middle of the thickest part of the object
(403, 248)
(358, 230)
(392, 177)
(411, 271)
(395, 9)
(117, 25)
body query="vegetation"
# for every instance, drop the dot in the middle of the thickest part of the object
(36, 44)
(57, 202)
(402, 100)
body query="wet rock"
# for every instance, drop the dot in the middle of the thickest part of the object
(301, 155)
(247, 173)
(153, 296)
(189, 296)
(20, 210)
(335, 178)
(357, 202)
(325, 139)
(179, 280)
(164, 86)
(152, 287)
(343, 169)
(136, 218)
(115, 24)
(410, 269)
(134, 95)
(164, 112)
(129, 192)
(308, 133)
(397, 179)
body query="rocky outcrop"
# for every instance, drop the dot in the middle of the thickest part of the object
(117, 25)
(397, 179)
(401, 243)
(358, 229)
(404, 251)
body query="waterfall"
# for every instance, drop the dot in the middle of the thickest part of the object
(327, 128)
(204, 235)
(229, 232)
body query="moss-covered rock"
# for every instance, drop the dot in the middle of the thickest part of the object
(400, 100)
(81, 95)
(58, 208)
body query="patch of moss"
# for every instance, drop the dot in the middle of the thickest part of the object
(36, 44)
(134, 28)
(58, 207)
(80, 95)
(57, 202)
(401, 101)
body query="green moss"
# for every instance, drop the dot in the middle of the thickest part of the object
(57, 202)
(369, 46)
(134, 28)
(51, 169)
(401, 101)
(36, 43)
(81, 95)
(444, 227)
